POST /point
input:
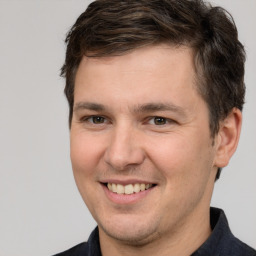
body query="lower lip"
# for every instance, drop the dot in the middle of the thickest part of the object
(126, 199)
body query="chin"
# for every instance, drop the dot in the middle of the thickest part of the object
(129, 231)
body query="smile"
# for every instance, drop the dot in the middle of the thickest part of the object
(128, 189)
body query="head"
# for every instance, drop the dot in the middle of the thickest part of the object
(112, 28)
(154, 89)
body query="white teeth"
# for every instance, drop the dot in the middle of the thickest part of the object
(128, 189)
(136, 188)
(119, 189)
(114, 188)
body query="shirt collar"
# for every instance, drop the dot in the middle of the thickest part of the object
(219, 238)
(94, 243)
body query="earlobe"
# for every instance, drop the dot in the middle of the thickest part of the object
(228, 137)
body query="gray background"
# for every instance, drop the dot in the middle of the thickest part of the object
(41, 212)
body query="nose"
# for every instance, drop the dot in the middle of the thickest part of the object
(124, 149)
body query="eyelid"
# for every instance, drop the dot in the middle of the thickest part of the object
(152, 118)
(87, 119)
(149, 120)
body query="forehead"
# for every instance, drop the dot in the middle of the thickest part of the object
(152, 58)
(150, 73)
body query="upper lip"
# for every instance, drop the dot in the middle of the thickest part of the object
(126, 182)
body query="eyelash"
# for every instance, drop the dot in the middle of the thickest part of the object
(93, 120)
(161, 119)
(87, 119)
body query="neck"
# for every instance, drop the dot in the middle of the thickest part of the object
(183, 242)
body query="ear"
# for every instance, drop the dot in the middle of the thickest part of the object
(228, 137)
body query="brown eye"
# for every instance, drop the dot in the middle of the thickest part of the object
(98, 119)
(159, 121)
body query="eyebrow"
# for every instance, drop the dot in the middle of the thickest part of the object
(154, 107)
(143, 108)
(89, 106)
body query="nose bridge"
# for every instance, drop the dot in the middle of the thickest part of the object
(124, 148)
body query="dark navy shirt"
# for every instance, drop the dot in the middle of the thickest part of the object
(220, 243)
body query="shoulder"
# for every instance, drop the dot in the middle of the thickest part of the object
(78, 250)
(221, 241)
(225, 242)
(89, 248)
(238, 248)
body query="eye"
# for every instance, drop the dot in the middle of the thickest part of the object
(96, 119)
(158, 120)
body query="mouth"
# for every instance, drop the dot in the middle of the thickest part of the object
(129, 188)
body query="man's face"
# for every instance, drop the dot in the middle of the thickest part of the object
(139, 122)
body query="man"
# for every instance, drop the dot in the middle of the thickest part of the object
(155, 90)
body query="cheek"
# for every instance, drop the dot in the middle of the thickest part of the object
(85, 153)
(182, 160)
(170, 152)
(185, 167)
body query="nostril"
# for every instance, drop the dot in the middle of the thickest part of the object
(123, 151)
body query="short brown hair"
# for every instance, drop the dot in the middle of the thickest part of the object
(115, 27)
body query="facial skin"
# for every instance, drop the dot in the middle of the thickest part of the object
(118, 137)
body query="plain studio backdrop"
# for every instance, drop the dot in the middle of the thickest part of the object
(41, 212)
